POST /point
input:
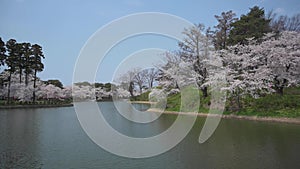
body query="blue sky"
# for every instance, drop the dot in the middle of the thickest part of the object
(63, 27)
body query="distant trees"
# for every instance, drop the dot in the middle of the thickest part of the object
(85, 91)
(255, 53)
(37, 65)
(138, 79)
(256, 62)
(27, 60)
(2, 52)
(150, 76)
(11, 62)
(54, 82)
(2, 60)
(21, 58)
(126, 81)
(284, 23)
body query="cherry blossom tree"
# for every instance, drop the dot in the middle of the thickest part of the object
(176, 73)
(168, 71)
(83, 92)
(127, 80)
(50, 92)
(67, 92)
(282, 56)
(195, 49)
(120, 93)
(149, 77)
(261, 68)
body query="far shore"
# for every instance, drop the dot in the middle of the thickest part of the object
(142, 102)
(230, 116)
(253, 118)
(34, 106)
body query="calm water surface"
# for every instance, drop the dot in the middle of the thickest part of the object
(53, 138)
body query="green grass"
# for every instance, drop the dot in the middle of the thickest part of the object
(142, 97)
(174, 102)
(272, 105)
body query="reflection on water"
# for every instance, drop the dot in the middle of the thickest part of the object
(141, 107)
(15, 159)
(19, 137)
(52, 138)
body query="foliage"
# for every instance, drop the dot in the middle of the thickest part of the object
(259, 69)
(142, 97)
(138, 80)
(54, 82)
(2, 52)
(21, 58)
(174, 102)
(194, 50)
(254, 24)
(222, 30)
(287, 105)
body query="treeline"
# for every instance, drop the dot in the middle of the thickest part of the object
(231, 30)
(24, 59)
(257, 53)
(138, 80)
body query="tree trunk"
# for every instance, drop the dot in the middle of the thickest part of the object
(204, 92)
(34, 86)
(141, 88)
(238, 102)
(151, 84)
(8, 88)
(26, 79)
(279, 86)
(279, 90)
(20, 76)
(130, 88)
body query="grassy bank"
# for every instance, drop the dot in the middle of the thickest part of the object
(287, 105)
(273, 105)
(141, 97)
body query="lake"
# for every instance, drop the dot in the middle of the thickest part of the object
(53, 138)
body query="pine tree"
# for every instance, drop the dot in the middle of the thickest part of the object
(252, 25)
(36, 64)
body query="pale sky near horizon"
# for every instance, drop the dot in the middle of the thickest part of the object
(63, 27)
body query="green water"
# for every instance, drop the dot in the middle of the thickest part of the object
(53, 138)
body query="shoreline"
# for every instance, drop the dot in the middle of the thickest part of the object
(142, 102)
(238, 117)
(35, 106)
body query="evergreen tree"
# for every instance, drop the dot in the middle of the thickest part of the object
(2, 52)
(55, 82)
(36, 64)
(2, 58)
(254, 24)
(26, 51)
(11, 62)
